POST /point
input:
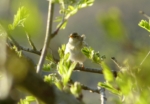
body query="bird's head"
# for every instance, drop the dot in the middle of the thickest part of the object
(74, 37)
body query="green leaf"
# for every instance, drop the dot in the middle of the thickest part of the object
(107, 72)
(61, 51)
(19, 18)
(92, 55)
(71, 7)
(125, 83)
(49, 57)
(69, 72)
(65, 67)
(49, 67)
(51, 78)
(86, 51)
(30, 98)
(58, 19)
(144, 24)
(27, 100)
(76, 89)
(59, 84)
(109, 87)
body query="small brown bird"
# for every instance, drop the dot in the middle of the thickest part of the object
(75, 44)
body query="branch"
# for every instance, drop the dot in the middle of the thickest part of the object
(145, 15)
(116, 63)
(47, 37)
(30, 41)
(145, 58)
(30, 50)
(20, 47)
(89, 89)
(102, 95)
(14, 41)
(56, 31)
(94, 70)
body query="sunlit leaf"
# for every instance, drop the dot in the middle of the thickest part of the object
(20, 18)
(92, 55)
(144, 24)
(107, 72)
(109, 87)
(76, 89)
(68, 75)
(30, 98)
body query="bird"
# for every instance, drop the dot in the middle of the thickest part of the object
(75, 43)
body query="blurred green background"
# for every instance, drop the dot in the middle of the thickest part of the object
(110, 26)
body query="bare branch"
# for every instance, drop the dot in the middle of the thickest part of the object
(30, 41)
(47, 37)
(89, 89)
(94, 70)
(145, 58)
(30, 50)
(56, 31)
(116, 63)
(102, 95)
(145, 15)
(22, 48)
(14, 41)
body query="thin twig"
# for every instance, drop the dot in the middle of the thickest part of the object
(145, 58)
(30, 41)
(14, 41)
(116, 63)
(56, 31)
(102, 95)
(143, 13)
(47, 37)
(94, 70)
(30, 50)
(89, 89)
(22, 48)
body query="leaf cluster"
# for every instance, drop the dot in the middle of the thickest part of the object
(19, 18)
(145, 24)
(69, 8)
(92, 55)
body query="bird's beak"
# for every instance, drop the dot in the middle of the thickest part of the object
(70, 36)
